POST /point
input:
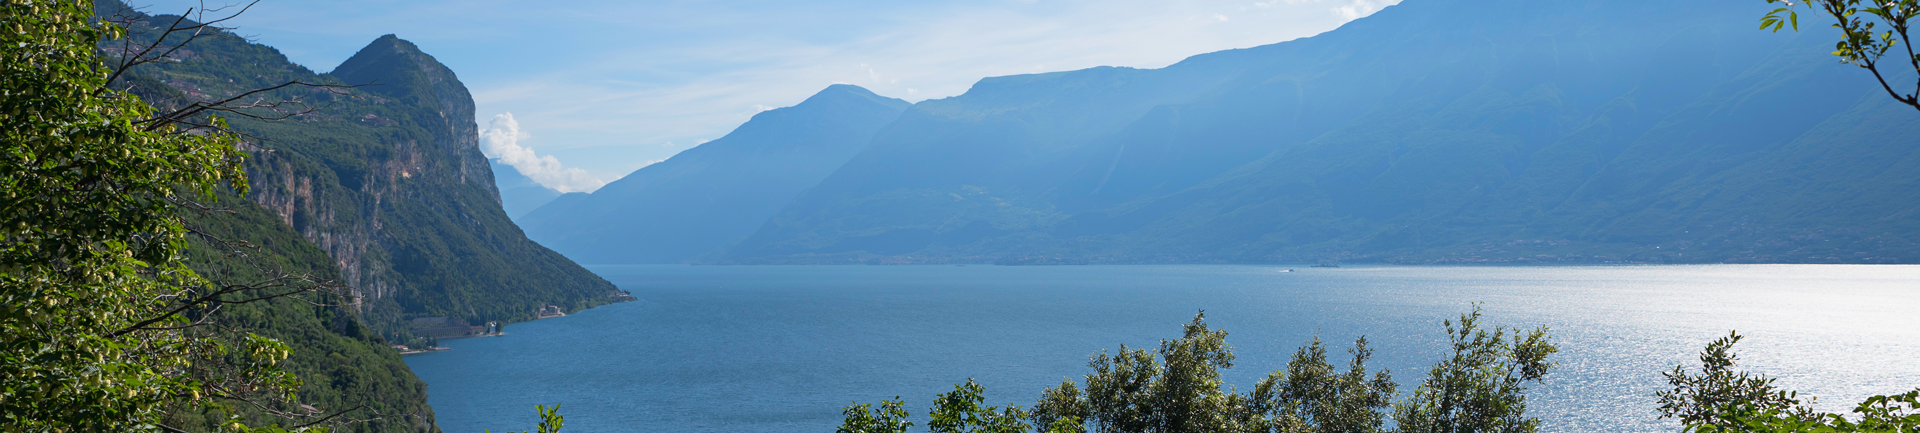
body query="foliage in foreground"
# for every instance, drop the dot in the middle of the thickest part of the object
(550, 420)
(104, 325)
(1869, 31)
(1719, 399)
(88, 267)
(1481, 387)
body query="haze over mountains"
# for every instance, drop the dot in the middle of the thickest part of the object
(719, 192)
(518, 193)
(1433, 131)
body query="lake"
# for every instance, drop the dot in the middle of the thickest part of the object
(783, 348)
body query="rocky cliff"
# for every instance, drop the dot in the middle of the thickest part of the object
(388, 179)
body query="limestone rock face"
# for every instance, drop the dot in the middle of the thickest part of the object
(390, 181)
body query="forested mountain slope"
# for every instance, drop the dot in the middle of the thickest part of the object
(391, 183)
(1432, 131)
(382, 189)
(705, 198)
(343, 365)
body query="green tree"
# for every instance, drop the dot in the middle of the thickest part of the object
(890, 417)
(550, 419)
(1062, 408)
(965, 411)
(1697, 399)
(1482, 387)
(101, 321)
(1135, 391)
(1869, 31)
(1177, 389)
(1720, 399)
(1311, 395)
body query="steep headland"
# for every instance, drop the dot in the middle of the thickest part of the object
(381, 189)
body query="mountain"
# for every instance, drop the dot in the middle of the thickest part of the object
(705, 198)
(382, 189)
(341, 363)
(1432, 131)
(391, 183)
(519, 194)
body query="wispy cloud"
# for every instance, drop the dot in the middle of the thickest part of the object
(1358, 8)
(501, 140)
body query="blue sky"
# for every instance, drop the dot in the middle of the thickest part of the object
(606, 87)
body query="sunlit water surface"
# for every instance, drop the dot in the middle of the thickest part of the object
(783, 348)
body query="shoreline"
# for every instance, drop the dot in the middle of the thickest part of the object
(427, 350)
(628, 297)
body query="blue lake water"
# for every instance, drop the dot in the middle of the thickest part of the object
(783, 348)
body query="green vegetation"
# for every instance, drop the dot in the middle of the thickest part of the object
(1861, 44)
(550, 419)
(164, 269)
(154, 277)
(393, 189)
(1177, 389)
(101, 318)
(342, 366)
(1719, 399)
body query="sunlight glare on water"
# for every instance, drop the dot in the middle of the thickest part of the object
(782, 348)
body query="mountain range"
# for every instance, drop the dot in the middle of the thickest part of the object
(1434, 131)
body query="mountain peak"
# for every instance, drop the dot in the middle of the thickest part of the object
(386, 47)
(707, 197)
(397, 68)
(848, 92)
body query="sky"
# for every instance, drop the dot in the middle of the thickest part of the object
(576, 94)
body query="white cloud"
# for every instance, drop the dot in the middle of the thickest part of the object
(1350, 10)
(1357, 9)
(501, 140)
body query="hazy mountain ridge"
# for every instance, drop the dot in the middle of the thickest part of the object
(705, 198)
(1432, 131)
(518, 193)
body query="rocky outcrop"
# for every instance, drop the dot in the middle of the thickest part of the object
(406, 205)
